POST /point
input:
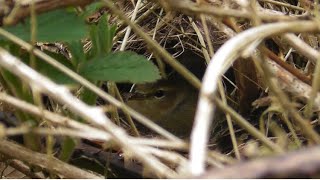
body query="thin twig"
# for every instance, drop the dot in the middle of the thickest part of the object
(302, 47)
(222, 60)
(40, 7)
(294, 164)
(93, 115)
(53, 117)
(23, 168)
(156, 47)
(190, 8)
(52, 164)
(95, 133)
(142, 119)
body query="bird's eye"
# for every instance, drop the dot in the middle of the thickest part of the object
(159, 94)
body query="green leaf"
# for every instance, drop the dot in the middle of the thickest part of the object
(16, 86)
(78, 55)
(101, 36)
(92, 8)
(43, 67)
(67, 149)
(52, 72)
(58, 25)
(121, 67)
(88, 96)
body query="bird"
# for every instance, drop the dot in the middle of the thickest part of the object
(171, 102)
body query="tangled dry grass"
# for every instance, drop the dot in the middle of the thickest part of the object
(262, 72)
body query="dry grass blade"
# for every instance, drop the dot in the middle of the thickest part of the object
(93, 115)
(90, 86)
(282, 166)
(222, 60)
(14, 150)
(247, 51)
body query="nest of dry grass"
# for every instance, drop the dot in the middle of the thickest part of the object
(178, 27)
(269, 92)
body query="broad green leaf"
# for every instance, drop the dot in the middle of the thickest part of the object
(121, 67)
(52, 72)
(58, 25)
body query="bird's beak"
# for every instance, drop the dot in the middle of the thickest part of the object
(133, 96)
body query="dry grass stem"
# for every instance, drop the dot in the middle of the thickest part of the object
(220, 62)
(261, 53)
(93, 115)
(52, 164)
(142, 119)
